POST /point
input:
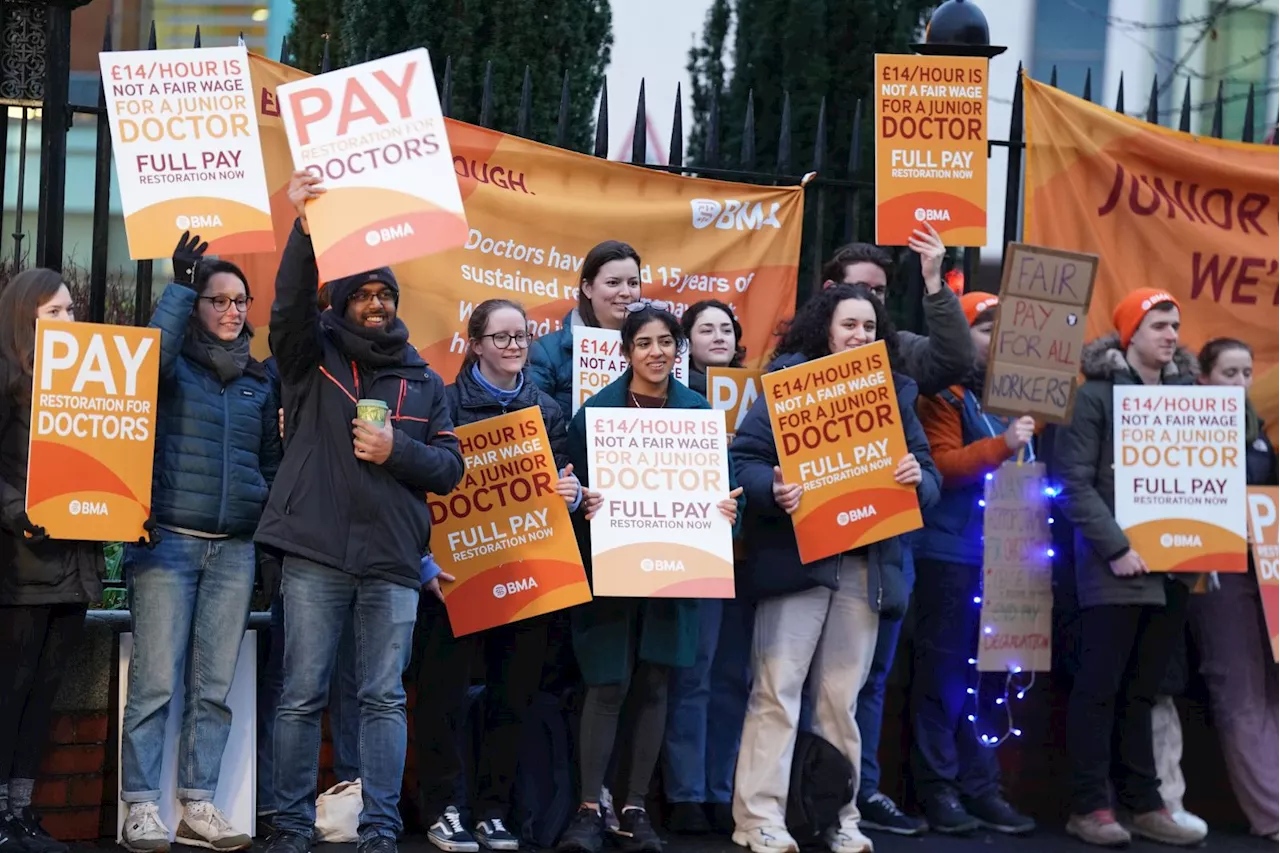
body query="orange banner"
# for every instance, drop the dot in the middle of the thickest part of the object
(732, 390)
(839, 434)
(92, 430)
(931, 148)
(1264, 538)
(534, 212)
(504, 532)
(1193, 215)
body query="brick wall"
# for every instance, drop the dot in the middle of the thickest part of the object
(71, 789)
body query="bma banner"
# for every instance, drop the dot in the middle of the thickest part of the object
(1193, 215)
(659, 533)
(534, 213)
(504, 533)
(839, 434)
(1017, 572)
(1264, 538)
(598, 361)
(732, 390)
(1180, 488)
(93, 417)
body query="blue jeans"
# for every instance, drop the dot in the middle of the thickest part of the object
(706, 706)
(317, 601)
(189, 599)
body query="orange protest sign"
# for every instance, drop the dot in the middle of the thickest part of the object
(732, 390)
(504, 532)
(931, 148)
(1264, 538)
(839, 434)
(93, 421)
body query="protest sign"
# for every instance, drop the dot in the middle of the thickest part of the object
(839, 435)
(374, 135)
(1180, 488)
(1264, 538)
(597, 361)
(93, 417)
(184, 135)
(931, 148)
(659, 533)
(1034, 364)
(504, 533)
(1017, 572)
(732, 390)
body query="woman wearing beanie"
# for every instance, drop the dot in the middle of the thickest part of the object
(1130, 619)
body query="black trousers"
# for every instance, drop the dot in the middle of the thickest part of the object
(35, 642)
(513, 657)
(1124, 653)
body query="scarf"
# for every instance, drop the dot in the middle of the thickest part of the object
(226, 359)
(1252, 423)
(504, 396)
(373, 348)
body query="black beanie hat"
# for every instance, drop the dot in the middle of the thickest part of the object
(340, 289)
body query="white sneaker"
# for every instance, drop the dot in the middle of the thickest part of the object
(144, 832)
(202, 825)
(848, 839)
(1187, 820)
(766, 839)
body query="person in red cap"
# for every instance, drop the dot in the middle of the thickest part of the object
(957, 778)
(1130, 620)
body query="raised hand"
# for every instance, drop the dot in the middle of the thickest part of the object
(186, 258)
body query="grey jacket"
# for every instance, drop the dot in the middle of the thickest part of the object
(1084, 459)
(943, 357)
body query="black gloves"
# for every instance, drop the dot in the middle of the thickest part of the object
(186, 257)
(153, 536)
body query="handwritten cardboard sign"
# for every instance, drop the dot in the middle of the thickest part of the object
(732, 390)
(1264, 538)
(598, 361)
(1034, 366)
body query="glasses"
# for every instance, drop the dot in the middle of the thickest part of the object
(502, 340)
(384, 297)
(656, 304)
(221, 303)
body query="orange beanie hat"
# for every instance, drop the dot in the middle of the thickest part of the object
(1129, 313)
(975, 303)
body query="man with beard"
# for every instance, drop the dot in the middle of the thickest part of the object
(349, 513)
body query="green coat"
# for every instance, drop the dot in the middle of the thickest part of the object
(611, 634)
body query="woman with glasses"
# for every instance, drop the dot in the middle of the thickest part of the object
(492, 382)
(217, 450)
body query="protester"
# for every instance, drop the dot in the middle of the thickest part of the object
(935, 362)
(708, 700)
(1129, 618)
(820, 618)
(626, 646)
(46, 585)
(1230, 630)
(956, 776)
(216, 453)
(349, 513)
(491, 383)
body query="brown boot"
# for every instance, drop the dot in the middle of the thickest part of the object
(1160, 826)
(1099, 828)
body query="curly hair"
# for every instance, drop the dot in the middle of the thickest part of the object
(809, 331)
(690, 319)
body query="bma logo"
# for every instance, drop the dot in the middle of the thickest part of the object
(186, 223)
(502, 590)
(1181, 540)
(853, 516)
(87, 508)
(924, 214)
(647, 565)
(386, 235)
(732, 214)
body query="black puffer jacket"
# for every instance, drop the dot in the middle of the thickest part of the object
(50, 572)
(470, 403)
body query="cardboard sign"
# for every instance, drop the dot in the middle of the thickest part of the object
(839, 434)
(659, 533)
(732, 390)
(373, 133)
(504, 532)
(598, 361)
(1034, 365)
(931, 148)
(1017, 572)
(1180, 490)
(93, 416)
(1264, 538)
(184, 136)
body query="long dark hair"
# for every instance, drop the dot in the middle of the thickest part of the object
(1213, 350)
(809, 332)
(206, 270)
(636, 320)
(19, 302)
(480, 321)
(600, 254)
(690, 319)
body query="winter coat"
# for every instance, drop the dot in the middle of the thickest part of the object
(943, 357)
(217, 446)
(55, 571)
(551, 362)
(1084, 462)
(772, 566)
(470, 403)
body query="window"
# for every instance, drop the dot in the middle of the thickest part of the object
(1072, 37)
(1239, 51)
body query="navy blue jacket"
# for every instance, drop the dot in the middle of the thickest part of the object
(470, 403)
(772, 565)
(217, 446)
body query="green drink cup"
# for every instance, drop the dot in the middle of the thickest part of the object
(373, 411)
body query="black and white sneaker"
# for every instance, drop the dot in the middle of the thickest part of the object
(495, 836)
(450, 835)
(635, 832)
(881, 814)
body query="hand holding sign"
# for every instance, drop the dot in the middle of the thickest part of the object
(929, 246)
(729, 506)
(1129, 566)
(1020, 432)
(568, 486)
(32, 534)
(591, 503)
(303, 187)
(786, 495)
(908, 472)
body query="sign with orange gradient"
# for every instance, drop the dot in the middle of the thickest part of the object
(184, 136)
(659, 533)
(373, 133)
(93, 416)
(839, 434)
(1180, 487)
(504, 532)
(1264, 538)
(534, 213)
(931, 148)
(732, 390)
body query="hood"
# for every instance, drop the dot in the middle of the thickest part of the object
(1103, 358)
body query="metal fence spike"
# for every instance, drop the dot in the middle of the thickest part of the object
(525, 118)
(675, 157)
(197, 41)
(446, 89)
(783, 163)
(602, 122)
(1153, 102)
(1120, 95)
(1246, 134)
(747, 157)
(711, 156)
(486, 96)
(1184, 118)
(562, 122)
(820, 138)
(1088, 85)
(151, 39)
(640, 131)
(1215, 130)
(855, 142)
(326, 61)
